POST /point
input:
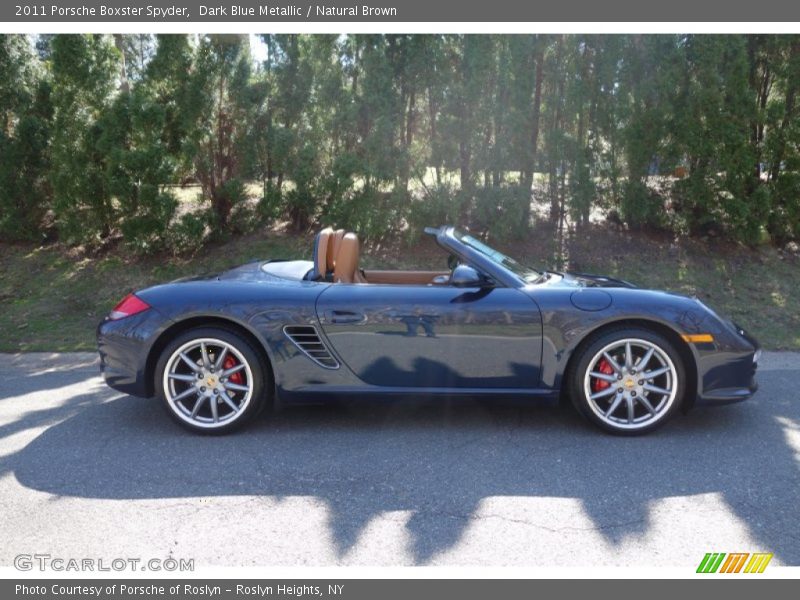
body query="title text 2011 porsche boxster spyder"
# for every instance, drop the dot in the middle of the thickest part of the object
(217, 349)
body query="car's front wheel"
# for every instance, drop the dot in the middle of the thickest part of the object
(628, 381)
(211, 380)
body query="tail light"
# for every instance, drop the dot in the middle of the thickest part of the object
(129, 305)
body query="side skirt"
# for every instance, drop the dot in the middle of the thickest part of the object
(322, 393)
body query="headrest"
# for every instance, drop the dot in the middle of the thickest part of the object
(346, 260)
(321, 244)
(334, 242)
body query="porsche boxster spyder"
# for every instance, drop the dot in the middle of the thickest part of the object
(217, 349)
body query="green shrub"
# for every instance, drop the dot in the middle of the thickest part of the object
(440, 204)
(502, 212)
(188, 234)
(228, 204)
(147, 229)
(641, 207)
(24, 190)
(783, 221)
(270, 206)
(371, 213)
(745, 218)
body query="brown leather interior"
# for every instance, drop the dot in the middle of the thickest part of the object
(403, 277)
(338, 252)
(322, 247)
(334, 242)
(346, 264)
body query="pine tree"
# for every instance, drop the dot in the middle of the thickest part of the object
(85, 79)
(25, 126)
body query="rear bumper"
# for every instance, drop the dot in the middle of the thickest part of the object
(124, 346)
(122, 378)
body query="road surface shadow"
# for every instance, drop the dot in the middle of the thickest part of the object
(436, 459)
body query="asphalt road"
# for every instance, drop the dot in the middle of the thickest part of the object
(85, 471)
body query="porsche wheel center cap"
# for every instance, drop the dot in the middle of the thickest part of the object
(630, 383)
(208, 383)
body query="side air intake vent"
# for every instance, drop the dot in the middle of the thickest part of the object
(307, 339)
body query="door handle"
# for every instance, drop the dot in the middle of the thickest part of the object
(346, 316)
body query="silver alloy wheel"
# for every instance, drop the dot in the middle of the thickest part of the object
(200, 391)
(639, 390)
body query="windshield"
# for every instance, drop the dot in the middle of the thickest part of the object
(527, 274)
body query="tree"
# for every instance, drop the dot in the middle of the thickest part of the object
(25, 120)
(695, 134)
(85, 77)
(217, 111)
(291, 77)
(142, 138)
(782, 146)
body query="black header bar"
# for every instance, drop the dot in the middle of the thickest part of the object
(398, 11)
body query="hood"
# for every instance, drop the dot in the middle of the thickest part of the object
(591, 280)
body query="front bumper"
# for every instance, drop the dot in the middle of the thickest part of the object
(727, 379)
(727, 395)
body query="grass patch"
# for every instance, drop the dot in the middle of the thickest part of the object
(52, 299)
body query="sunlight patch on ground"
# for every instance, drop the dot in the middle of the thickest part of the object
(503, 531)
(385, 540)
(778, 299)
(558, 531)
(16, 442)
(26, 416)
(66, 394)
(791, 432)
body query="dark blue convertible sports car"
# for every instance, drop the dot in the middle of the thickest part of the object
(217, 349)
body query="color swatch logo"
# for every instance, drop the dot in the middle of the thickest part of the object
(735, 562)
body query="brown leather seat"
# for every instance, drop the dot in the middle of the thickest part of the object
(346, 262)
(333, 247)
(321, 253)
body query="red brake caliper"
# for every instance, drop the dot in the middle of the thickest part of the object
(229, 363)
(602, 367)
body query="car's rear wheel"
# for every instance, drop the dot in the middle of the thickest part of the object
(211, 380)
(628, 381)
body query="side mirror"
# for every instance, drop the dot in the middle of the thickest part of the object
(466, 276)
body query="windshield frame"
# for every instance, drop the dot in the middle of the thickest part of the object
(525, 273)
(452, 240)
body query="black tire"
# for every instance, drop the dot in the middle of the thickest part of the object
(630, 387)
(253, 375)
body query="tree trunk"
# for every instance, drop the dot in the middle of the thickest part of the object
(432, 113)
(119, 42)
(464, 153)
(536, 115)
(788, 116)
(408, 139)
(760, 82)
(554, 125)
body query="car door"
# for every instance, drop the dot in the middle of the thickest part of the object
(431, 336)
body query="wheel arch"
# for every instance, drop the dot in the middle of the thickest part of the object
(684, 351)
(194, 322)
